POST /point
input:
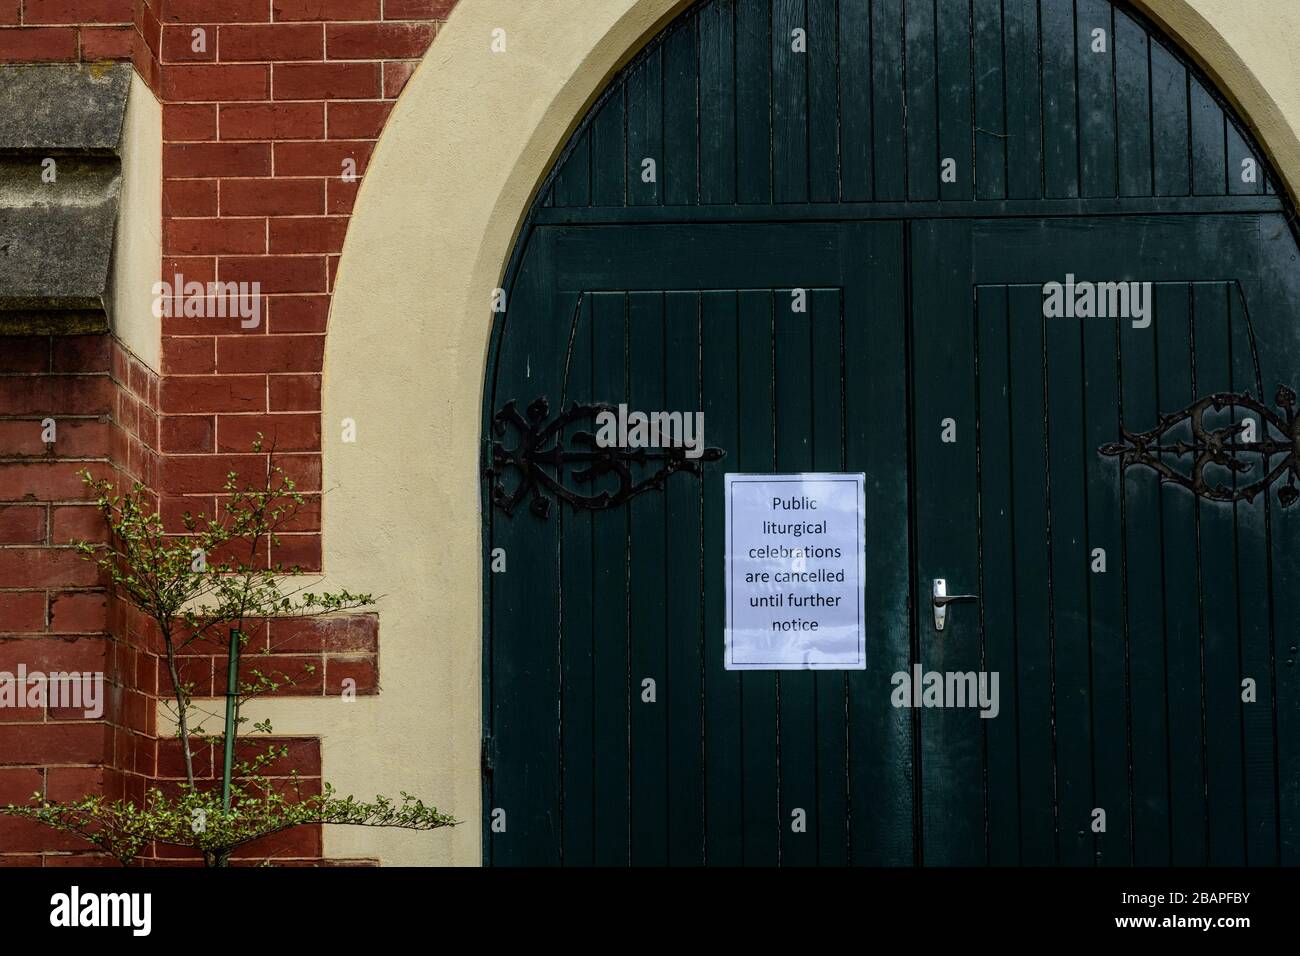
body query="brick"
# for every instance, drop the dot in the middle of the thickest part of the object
(418, 9)
(188, 434)
(22, 524)
(284, 432)
(303, 469)
(191, 269)
(363, 672)
(81, 353)
(273, 121)
(308, 234)
(73, 783)
(396, 73)
(72, 523)
(299, 313)
(272, 197)
(294, 393)
(189, 474)
(42, 481)
(326, 9)
(27, 836)
(74, 438)
(213, 393)
(189, 355)
(17, 784)
(274, 43)
(321, 159)
(24, 353)
(185, 122)
(22, 437)
(334, 633)
(378, 41)
(219, 82)
(11, 13)
(326, 81)
(341, 196)
(357, 120)
(61, 743)
(76, 11)
(106, 43)
(277, 273)
(22, 611)
(214, 236)
(303, 754)
(189, 197)
(61, 394)
(45, 567)
(303, 842)
(178, 43)
(232, 11)
(270, 353)
(40, 44)
(78, 612)
(202, 160)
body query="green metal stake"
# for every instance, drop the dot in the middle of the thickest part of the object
(232, 690)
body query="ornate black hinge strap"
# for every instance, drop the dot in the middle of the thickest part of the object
(1279, 436)
(541, 458)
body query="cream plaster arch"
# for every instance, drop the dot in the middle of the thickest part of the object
(452, 179)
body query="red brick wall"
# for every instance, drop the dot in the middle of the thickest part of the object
(257, 125)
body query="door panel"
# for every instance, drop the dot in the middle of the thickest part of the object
(1121, 688)
(704, 765)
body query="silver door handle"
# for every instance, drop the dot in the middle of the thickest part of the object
(940, 600)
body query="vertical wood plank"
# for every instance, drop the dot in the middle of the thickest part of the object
(610, 531)
(790, 118)
(1133, 106)
(888, 107)
(856, 115)
(1034, 672)
(645, 126)
(724, 771)
(955, 97)
(1024, 105)
(830, 688)
(576, 601)
(689, 643)
(922, 100)
(718, 144)
(990, 102)
(679, 181)
(647, 622)
(754, 131)
(794, 374)
(756, 454)
(1178, 508)
(824, 119)
(1095, 55)
(1219, 595)
(1060, 100)
(997, 586)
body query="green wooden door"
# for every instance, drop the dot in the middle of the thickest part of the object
(918, 172)
(1122, 611)
(589, 763)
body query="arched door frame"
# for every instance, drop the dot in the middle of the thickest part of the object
(446, 195)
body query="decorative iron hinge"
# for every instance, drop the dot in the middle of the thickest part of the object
(541, 447)
(1279, 436)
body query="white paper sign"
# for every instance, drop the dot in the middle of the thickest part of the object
(796, 566)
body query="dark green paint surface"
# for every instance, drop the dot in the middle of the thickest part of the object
(823, 170)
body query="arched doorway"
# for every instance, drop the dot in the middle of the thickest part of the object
(922, 171)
